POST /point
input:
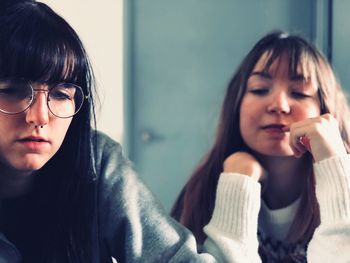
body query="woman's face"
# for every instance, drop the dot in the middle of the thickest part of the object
(272, 100)
(25, 147)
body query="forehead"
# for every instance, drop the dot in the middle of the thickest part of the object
(293, 66)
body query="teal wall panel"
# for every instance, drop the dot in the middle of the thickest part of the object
(341, 41)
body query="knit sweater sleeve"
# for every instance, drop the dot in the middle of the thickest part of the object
(233, 226)
(331, 240)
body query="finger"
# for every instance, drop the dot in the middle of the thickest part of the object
(295, 143)
(298, 152)
(305, 142)
(305, 122)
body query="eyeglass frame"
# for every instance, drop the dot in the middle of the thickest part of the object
(85, 97)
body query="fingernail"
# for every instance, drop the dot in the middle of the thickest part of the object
(306, 142)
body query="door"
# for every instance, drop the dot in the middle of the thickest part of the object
(340, 41)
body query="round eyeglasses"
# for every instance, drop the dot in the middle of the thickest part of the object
(64, 100)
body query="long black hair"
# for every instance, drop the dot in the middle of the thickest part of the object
(39, 45)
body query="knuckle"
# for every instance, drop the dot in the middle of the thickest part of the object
(327, 116)
(317, 128)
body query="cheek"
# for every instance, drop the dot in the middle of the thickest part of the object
(65, 126)
(308, 111)
(10, 122)
(60, 130)
(249, 115)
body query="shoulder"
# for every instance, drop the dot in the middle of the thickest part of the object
(106, 149)
(109, 158)
(103, 142)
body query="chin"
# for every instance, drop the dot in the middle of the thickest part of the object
(21, 169)
(29, 165)
(28, 168)
(279, 154)
(35, 167)
(276, 152)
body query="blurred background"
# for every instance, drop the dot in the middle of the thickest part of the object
(163, 66)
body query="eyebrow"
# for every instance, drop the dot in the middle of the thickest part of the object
(298, 77)
(262, 74)
(266, 75)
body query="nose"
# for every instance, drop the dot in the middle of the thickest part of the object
(38, 112)
(279, 103)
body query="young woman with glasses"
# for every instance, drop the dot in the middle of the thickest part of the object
(67, 193)
(278, 175)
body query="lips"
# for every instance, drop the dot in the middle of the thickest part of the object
(34, 139)
(274, 126)
(34, 144)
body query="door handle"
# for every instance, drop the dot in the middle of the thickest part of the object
(146, 137)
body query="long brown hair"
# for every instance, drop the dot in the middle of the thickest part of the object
(195, 204)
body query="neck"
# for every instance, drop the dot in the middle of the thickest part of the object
(285, 181)
(14, 183)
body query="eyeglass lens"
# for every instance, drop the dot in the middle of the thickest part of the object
(64, 100)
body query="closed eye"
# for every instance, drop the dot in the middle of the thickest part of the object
(8, 91)
(60, 95)
(260, 92)
(14, 93)
(299, 95)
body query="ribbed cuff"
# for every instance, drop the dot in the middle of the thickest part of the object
(333, 188)
(237, 206)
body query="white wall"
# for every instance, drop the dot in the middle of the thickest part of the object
(99, 25)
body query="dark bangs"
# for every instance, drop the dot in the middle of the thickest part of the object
(300, 55)
(38, 45)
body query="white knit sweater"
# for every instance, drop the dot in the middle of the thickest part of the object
(234, 224)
